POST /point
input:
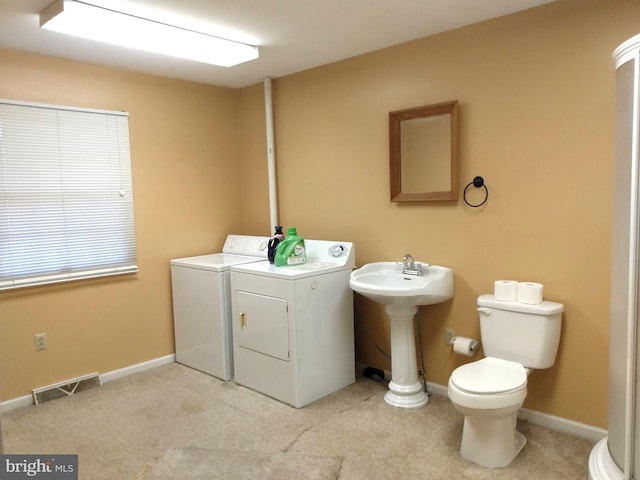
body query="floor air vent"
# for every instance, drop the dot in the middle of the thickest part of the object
(66, 388)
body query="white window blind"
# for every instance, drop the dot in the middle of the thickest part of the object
(66, 199)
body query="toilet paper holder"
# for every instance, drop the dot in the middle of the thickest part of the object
(477, 182)
(465, 346)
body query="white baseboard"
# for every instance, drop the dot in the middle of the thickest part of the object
(16, 403)
(546, 420)
(27, 400)
(563, 425)
(138, 367)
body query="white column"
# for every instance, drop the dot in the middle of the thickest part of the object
(404, 389)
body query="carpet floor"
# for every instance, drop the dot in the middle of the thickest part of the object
(175, 423)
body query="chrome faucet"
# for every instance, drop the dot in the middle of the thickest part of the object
(410, 267)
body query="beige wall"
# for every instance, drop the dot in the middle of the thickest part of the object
(536, 93)
(185, 171)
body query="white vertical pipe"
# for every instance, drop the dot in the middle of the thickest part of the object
(632, 314)
(271, 156)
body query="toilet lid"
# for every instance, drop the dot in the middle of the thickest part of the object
(490, 375)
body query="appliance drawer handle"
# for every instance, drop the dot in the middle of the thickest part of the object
(243, 320)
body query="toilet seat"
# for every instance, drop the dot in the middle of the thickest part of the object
(490, 376)
(488, 384)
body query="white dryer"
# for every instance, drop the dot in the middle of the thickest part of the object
(293, 326)
(202, 304)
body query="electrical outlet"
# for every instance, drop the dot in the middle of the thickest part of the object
(449, 333)
(41, 341)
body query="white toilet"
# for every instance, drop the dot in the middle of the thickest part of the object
(516, 338)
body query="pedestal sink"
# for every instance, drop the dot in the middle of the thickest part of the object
(401, 294)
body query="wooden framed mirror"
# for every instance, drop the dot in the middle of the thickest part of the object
(423, 153)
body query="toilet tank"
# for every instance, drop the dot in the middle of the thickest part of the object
(520, 332)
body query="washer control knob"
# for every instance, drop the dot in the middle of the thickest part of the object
(336, 250)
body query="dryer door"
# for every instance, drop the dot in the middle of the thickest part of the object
(263, 324)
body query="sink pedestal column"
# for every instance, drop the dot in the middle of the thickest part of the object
(404, 388)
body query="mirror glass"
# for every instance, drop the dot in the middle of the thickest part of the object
(424, 153)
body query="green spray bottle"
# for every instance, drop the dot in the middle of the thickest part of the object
(291, 250)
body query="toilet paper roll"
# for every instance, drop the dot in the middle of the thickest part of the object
(465, 346)
(505, 290)
(529, 292)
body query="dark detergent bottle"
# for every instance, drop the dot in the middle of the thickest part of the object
(278, 236)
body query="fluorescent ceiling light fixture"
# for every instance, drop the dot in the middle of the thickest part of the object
(103, 25)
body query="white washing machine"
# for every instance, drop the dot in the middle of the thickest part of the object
(202, 304)
(293, 326)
